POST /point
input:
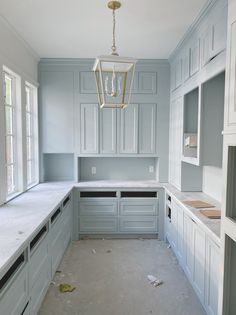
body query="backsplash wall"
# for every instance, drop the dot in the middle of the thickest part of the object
(117, 168)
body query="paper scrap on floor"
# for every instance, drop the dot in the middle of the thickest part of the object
(154, 281)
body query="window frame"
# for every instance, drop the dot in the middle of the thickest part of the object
(34, 135)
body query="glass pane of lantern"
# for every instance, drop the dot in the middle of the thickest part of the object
(116, 83)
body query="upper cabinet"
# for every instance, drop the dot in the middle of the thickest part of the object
(194, 56)
(147, 128)
(89, 128)
(110, 131)
(129, 129)
(205, 41)
(230, 106)
(56, 111)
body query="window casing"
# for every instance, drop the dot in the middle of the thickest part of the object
(19, 162)
(10, 134)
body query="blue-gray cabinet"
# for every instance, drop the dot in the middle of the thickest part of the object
(129, 212)
(147, 129)
(89, 115)
(56, 96)
(129, 129)
(108, 131)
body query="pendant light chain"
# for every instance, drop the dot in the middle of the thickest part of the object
(114, 52)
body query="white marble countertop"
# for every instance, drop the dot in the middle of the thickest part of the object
(212, 226)
(22, 217)
(120, 184)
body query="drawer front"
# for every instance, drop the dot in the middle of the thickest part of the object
(56, 248)
(98, 224)
(138, 224)
(139, 207)
(39, 289)
(13, 301)
(38, 261)
(98, 208)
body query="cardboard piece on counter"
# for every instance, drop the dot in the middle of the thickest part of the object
(198, 204)
(211, 214)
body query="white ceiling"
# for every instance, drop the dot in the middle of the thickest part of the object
(83, 28)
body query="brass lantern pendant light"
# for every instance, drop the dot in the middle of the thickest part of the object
(114, 74)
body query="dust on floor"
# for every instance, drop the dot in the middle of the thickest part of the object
(110, 277)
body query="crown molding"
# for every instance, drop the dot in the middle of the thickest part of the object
(26, 45)
(204, 11)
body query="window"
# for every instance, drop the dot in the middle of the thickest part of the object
(31, 135)
(10, 133)
(18, 136)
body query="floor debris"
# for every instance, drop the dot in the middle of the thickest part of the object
(58, 271)
(65, 287)
(169, 246)
(53, 283)
(154, 281)
(109, 251)
(93, 251)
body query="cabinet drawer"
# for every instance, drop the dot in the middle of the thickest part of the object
(38, 261)
(138, 224)
(98, 224)
(98, 207)
(138, 207)
(13, 301)
(39, 289)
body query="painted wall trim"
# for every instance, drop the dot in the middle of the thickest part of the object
(26, 45)
(205, 10)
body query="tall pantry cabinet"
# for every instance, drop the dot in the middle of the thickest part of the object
(227, 305)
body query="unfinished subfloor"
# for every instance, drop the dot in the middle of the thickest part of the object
(110, 277)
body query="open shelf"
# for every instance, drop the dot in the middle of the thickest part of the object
(191, 132)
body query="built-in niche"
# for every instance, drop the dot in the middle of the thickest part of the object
(58, 167)
(191, 132)
(124, 168)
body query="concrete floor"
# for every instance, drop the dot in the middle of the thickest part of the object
(113, 281)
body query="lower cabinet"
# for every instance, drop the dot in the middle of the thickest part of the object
(138, 224)
(39, 275)
(197, 253)
(119, 215)
(14, 294)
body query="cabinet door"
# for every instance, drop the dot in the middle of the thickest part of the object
(56, 103)
(231, 73)
(147, 82)
(195, 56)
(89, 128)
(206, 38)
(178, 73)
(188, 246)
(212, 277)
(180, 233)
(219, 32)
(147, 128)
(129, 129)
(174, 227)
(108, 122)
(176, 129)
(199, 257)
(185, 64)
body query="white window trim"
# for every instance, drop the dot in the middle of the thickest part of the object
(20, 153)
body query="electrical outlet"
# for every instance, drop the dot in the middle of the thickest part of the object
(151, 169)
(93, 170)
